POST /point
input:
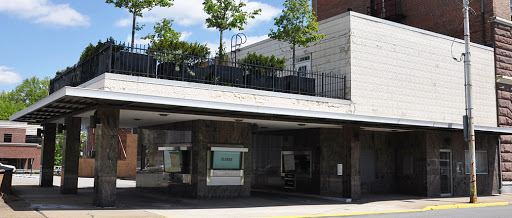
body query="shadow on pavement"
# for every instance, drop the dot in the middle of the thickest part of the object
(33, 197)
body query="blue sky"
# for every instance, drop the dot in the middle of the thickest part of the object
(40, 37)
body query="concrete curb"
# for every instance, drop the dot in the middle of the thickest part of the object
(454, 206)
(443, 207)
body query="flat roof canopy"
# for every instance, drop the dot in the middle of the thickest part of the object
(73, 101)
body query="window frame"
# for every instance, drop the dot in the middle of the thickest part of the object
(10, 138)
(466, 162)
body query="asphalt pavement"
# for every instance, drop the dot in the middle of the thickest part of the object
(486, 212)
(30, 200)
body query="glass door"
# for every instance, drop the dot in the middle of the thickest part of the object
(445, 163)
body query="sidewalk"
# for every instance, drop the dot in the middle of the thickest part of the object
(34, 201)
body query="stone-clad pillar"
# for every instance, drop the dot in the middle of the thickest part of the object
(332, 150)
(107, 142)
(70, 155)
(351, 175)
(48, 155)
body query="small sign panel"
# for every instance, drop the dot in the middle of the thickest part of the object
(226, 160)
(340, 169)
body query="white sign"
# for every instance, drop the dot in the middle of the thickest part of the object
(340, 169)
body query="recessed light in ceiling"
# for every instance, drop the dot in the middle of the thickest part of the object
(301, 124)
(163, 115)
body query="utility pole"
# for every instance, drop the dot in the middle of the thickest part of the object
(469, 128)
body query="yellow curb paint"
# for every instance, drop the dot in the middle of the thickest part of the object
(351, 214)
(453, 206)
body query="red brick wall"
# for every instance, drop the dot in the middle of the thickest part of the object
(18, 135)
(444, 17)
(22, 152)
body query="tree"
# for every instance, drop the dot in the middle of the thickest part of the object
(226, 15)
(164, 35)
(167, 39)
(7, 107)
(135, 8)
(28, 92)
(296, 26)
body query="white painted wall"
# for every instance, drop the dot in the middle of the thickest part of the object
(205, 92)
(404, 72)
(398, 71)
(329, 55)
(394, 71)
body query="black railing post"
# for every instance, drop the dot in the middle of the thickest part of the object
(323, 83)
(273, 79)
(215, 72)
(109, 58)
(344, 78)
(148, 63)
(298, 81)
(183, 67)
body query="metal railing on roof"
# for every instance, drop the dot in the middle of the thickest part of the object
(143, 61)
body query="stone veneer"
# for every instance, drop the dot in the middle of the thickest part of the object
(203, 134)
(503, 58)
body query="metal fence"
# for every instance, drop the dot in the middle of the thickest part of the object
(143, 61)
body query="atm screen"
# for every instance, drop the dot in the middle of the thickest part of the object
(226, 160)
(288, 163)
(172, 161)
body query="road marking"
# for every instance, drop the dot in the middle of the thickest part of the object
(443, 207)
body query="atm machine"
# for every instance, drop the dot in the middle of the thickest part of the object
(225, 165)
(177, 163)
(295, 166)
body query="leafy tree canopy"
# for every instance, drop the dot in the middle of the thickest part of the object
(135, 8)
(167, 39)
(28, 92)
(227, 15)
(91, 49)
(297, 25)
(260, 64)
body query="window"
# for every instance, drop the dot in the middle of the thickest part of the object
(481, 162)
(7, 137)
(303, 65)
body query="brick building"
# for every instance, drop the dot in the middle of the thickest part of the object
(20, 145)
(444, 17)
(488, 26)
(375, 107)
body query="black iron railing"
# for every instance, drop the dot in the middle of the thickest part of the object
(143, 61)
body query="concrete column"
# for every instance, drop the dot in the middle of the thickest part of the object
(352, 178)
(105, 170)
(70, 155)
(48, 155)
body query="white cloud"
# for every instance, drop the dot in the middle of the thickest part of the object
(9, 77)
(138, 40)
(124, 22)
(254, 39)
(190, 12)
(185, 35)
(44, 12)
(267, 13)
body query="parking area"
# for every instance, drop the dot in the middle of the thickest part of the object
(30, 200)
